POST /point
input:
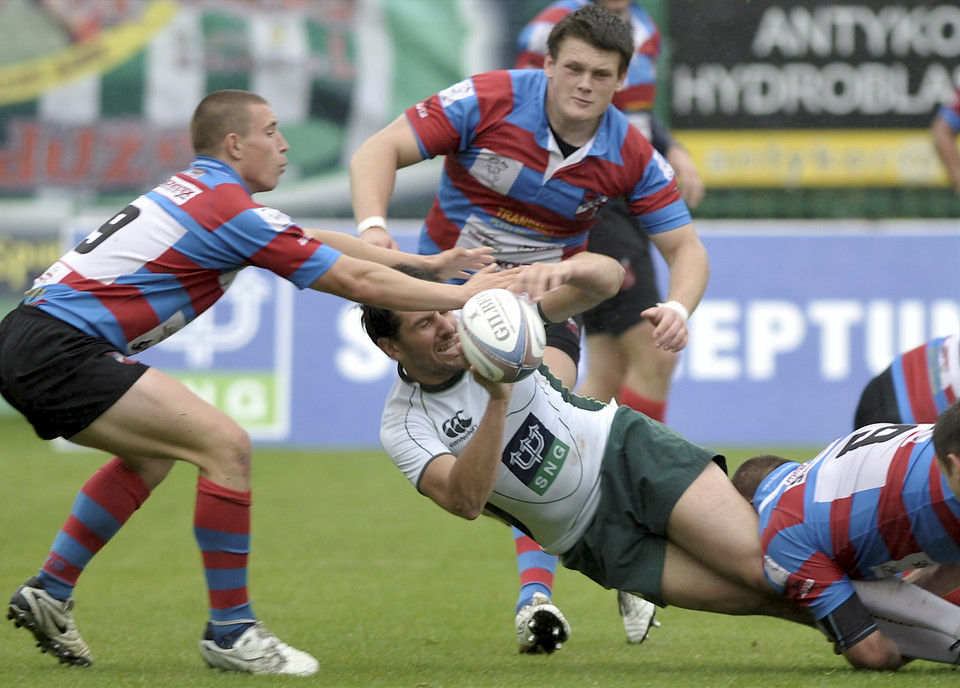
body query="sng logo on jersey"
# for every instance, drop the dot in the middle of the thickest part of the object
(452, 427)
(591, 205)
(535, 455)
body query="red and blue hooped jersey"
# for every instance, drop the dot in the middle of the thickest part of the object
(950, 112)
(871, 505)
(926, 380)
(505, 183)
(640, 86)
(169, 255)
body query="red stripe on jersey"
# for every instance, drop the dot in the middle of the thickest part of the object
(285, 253)
(816, 574)
(651, 46)
(529, 59)
(201, 284)
(916, 375)
(218, 205)
(787, 513)
(133, 314)
(938, 498)
(844, 552)
(433, 128)
(893, 522)
(639, 98)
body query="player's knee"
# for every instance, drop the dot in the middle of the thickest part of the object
(231, 449)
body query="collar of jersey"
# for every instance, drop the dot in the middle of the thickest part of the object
(443, 386)
(205, 162)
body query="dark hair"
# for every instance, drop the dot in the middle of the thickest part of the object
(221, 113)
(382, 322)
(597, 26)
(946, 432)
(750, 474)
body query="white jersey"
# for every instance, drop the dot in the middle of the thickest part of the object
(549, 477)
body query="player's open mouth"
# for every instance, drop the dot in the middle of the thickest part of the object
(449, 347)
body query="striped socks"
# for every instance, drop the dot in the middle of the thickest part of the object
(105, 502)
(536, 568)
(221, 525)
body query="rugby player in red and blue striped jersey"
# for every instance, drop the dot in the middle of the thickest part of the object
(838, 530)
(140, 277)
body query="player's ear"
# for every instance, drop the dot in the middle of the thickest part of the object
(953, 464)
(389, 347)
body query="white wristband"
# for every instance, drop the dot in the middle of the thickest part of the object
(372, 221)
(678, 307)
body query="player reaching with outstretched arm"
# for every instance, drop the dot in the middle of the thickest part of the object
(66, 364)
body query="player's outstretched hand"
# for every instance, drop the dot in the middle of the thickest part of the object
(670, 329)
(459, 262)
(490, 277)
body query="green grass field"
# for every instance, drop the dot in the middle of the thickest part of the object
(385, 589)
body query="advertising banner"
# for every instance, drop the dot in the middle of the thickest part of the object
(796, 320)
(815, 93)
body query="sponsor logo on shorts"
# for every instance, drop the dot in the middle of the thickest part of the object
(535, 455)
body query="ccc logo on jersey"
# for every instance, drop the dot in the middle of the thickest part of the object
(457, 425)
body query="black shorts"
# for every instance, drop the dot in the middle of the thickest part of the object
(619, 235)
(878, 403)
(566, 337)
(60, 378)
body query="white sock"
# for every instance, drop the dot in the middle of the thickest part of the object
(923, 625)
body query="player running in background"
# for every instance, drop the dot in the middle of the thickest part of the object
(916, 387)
(623, 360)
(878, 502)
(944, 131)
(163, 260)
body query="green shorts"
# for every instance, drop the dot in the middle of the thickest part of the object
(646, 468)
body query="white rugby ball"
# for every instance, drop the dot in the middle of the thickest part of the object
(502, 335)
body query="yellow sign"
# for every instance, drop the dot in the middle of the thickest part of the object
(833, 158)
(28, 80)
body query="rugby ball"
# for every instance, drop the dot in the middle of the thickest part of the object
(501, 335)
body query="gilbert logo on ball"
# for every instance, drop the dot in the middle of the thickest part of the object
(502, 335)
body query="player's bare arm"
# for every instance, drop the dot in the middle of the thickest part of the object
(462, 485)
(378, 285)
(577, 284)
(455, 263)
(373, 174)
(689, 266)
